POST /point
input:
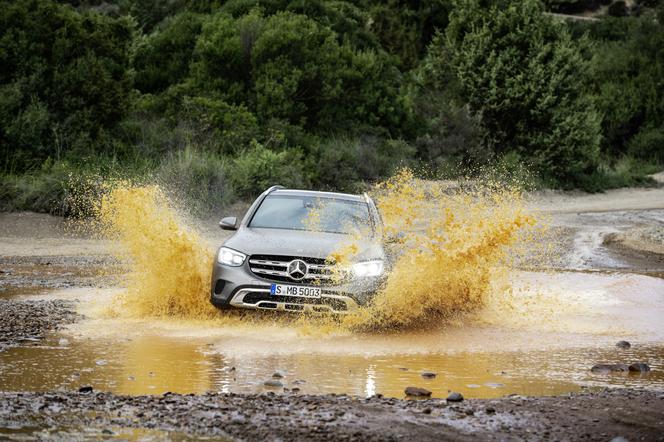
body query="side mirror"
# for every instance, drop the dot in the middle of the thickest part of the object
(228, 223)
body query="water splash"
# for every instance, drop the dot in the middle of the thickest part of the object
(169, 264)
(453, 244)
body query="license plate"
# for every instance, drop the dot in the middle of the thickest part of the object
(295, 290)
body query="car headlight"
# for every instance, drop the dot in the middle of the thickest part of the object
(368, 268)
(230, 257)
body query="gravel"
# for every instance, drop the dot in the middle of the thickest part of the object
(23, 322)
(604, 415)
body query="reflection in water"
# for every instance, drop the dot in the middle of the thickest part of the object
(542, 342)
(153, 365)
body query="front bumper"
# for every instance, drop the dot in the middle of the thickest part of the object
(238, 287)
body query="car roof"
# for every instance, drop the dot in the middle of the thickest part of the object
(313, 193)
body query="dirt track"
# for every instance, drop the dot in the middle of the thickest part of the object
(39, 251)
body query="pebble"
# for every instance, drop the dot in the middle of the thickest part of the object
(428, 375)
(455, 397)
(640, 367)
(606, 368)
(85, 389)
(277, 375)
(623, 344)
(273, 383)
(417, 392)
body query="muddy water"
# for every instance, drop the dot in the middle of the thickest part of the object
(558, 325)
(537, 335)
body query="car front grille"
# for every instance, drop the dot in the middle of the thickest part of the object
(275, 268)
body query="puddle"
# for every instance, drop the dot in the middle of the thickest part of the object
(154, 365)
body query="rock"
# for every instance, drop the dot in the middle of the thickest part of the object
(403, 368)
(107, 431)
(455, 397)
(619, 439)
(277, 375)
(85, 389)
(640, 367)
(63, 342)
(101, 362)
(607, 368)
(428, 374)
(273, 383)
(490, 410)
(494, 385)
(417, 392)
(623, 344)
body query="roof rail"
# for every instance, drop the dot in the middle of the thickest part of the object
(273, 188)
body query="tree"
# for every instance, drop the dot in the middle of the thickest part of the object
(524, 78)
(63, 76)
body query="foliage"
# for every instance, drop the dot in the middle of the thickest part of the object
(522, 75)
(64, 80)
(220, 99)
(199, 178)
(259, 168)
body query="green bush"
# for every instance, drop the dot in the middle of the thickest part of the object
(648, 145)
(64, 77)
(524, 78)
(198, 179)
(343, 163)
(258, 168)
(162, 58)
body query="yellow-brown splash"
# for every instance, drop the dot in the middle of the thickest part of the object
(451, 242)
(454, 241)
(169, 265)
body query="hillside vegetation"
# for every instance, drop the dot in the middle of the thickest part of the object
(219, 99)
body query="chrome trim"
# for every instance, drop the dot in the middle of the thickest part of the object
(238, 301)
(284, 273)
(268, 263)
(270, 272)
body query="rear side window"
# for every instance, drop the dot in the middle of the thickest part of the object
(330, 215)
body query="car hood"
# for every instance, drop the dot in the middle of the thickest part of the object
(260, 241)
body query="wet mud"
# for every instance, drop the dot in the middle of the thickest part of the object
(600, 416)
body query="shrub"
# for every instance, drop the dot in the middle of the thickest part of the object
(67, 76)
(162, 58)
(258, 168)
(198, 179)
(648, 145)
(524, 78)
(343, 163)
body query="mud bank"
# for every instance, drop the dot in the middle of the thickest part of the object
(27, 322)
(589, 416)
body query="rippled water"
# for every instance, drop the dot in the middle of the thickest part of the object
(558, 326)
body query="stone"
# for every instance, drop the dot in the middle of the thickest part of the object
(417, 392)
(277, 375)
(639, 367)
(455, 397)
(428, 375)
(607, 368)
(85, 389)
(273, 383)
(623, 344)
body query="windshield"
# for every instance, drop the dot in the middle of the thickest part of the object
(318, 214)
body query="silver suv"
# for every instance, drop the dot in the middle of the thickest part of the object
(280, 257)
